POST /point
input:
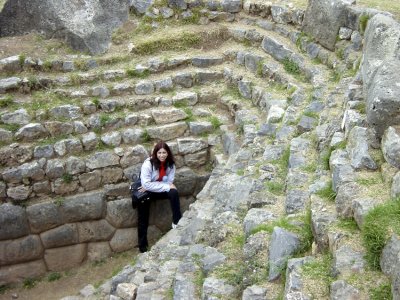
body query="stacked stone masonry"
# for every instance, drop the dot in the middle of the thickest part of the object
(276, 116)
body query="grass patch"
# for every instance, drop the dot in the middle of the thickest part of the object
(311, 114)
(67, 178)
(104, 119)
(327, 192)
(335, 76)
(10, 127)
(59, 201)
(340, 53)
(146, 136)
(137, 74)
(275, 187)
(54, 276)
(303, 231)
(382, 292)
(240, 172)
(370, 180)
(177, 43)
(6, 101)
(215, 122)
(325, 156)
(349, 225)
(29, 283)
(378, 226)
(190, 117)
(291, 66)
(232, 91)
(318, 276)
(363, 22)
(310, 168)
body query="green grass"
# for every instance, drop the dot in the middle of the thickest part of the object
(67, 178)
(145, 136)
(10, 127)
(291, 66)
(59, 201)
(303, 231)
(190, 117)
(379, 223)
(137, 74)
(311, 114)
(319, 273)
(240, 172)
(215, 122)
(7, 101)
(377, 179)
(310, 168)
(382, 292)
(3, 289)
(275, 187)
(349, 225)
(104, 119)
(176, 43)
(325, 156)
(363, 22)
(53, 276)
(29, 283)
(327, 192)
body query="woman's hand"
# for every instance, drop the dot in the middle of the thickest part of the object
(172, 186)
(141, 189)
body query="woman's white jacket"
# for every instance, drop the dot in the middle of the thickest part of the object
(149, 176)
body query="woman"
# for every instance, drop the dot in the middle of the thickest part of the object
(157, 176)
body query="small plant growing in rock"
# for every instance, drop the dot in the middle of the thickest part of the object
(104, 119)
(67, 178)
(379, 224)
(29, 283)
(381, 292)
(327, 192)
(215, 122)
(21, 59)
(146, 136)
(6, 101)
(47, 65)
(53, 276)
(363, 22)
(96, 102)
(189, 113)
(137, 74)
(291, 66)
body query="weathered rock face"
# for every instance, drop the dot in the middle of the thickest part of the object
(381, 80)
(85, 25)
(323, 19)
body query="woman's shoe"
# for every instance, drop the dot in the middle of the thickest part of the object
(174, 226)
(143, 249)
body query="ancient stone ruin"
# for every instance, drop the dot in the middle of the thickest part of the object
(285, 123)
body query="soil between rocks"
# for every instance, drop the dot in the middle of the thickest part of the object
(72, 281)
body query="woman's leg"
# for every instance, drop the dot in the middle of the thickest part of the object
(173, 197)
(143, 222)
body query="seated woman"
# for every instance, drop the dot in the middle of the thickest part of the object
(157, 176)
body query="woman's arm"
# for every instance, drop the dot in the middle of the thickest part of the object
(146, 179)
(171, 174)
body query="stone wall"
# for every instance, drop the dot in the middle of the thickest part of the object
(65, 231)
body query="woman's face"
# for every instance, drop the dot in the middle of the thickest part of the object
(162, 154)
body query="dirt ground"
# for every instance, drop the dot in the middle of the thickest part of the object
(72, 281)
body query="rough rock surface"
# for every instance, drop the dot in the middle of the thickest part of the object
(85, 25)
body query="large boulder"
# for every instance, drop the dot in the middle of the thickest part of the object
(383, 97)
(323, 19)
(380, 44)
(85, 25)
(379, 72)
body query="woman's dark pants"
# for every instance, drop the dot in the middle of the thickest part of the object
(144, 212)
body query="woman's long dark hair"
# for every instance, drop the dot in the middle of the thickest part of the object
(170, 161)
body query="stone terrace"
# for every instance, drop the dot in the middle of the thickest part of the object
(282, 148)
